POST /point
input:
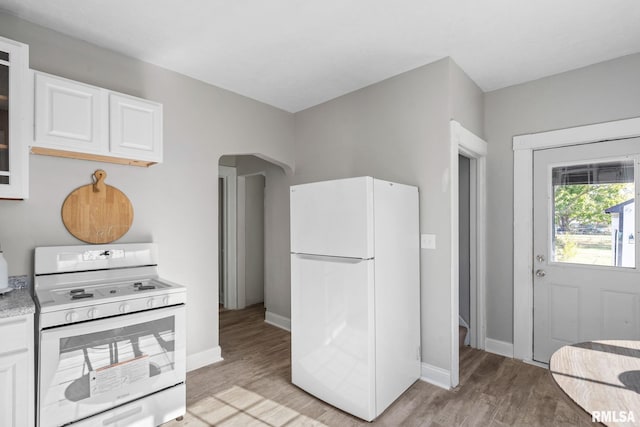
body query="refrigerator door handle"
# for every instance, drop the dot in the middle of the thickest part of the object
(348, 260)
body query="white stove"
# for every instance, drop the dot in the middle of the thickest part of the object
(112, 337)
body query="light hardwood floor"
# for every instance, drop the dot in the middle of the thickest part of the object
(252, 386)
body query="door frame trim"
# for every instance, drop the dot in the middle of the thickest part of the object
(523, 148)
(229, 175)
(470, 145)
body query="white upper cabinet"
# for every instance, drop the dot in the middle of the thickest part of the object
(69, 115)
(135, 127)
(77, 120)
(14, 158)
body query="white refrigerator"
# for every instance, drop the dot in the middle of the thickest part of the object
(355, 292)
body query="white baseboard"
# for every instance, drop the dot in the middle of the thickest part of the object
(536, 363)
(463, 322)
(436, 376)
(498, 347)
(204, 358)
(277, 320)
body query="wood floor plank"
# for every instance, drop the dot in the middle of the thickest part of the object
(252, 386)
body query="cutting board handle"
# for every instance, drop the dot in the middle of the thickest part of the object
(99, 177)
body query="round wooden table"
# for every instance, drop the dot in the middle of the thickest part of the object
(603, 377)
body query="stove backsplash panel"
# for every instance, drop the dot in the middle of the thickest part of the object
(19, 282)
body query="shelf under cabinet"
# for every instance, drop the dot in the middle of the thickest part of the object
(93, 157)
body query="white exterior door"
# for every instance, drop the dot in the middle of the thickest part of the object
(586, 281)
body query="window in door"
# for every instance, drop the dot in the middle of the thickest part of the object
(593, 214)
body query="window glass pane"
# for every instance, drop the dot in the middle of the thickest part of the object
(4, 122)
(594, 214)
(4, 56)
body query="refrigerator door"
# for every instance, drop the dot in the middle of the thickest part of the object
(332, 336)
(333, 218)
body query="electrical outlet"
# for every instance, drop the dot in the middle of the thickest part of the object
(428, 241)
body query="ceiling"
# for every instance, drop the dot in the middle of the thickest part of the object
(294, 54)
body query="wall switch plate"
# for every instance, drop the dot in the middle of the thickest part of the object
(428, 241)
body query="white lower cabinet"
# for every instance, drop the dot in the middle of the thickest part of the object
(17, 407)
(78, 120)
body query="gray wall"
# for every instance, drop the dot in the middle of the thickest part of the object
(398, 130)
(463, 237)
(467, 107)
(467, 100)
(598, 93)
(175, 203)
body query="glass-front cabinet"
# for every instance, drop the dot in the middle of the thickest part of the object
(14, 104)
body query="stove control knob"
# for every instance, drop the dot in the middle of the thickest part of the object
(71, 316)
(165, 301)
(93, 313)
(124, 308)
(151, 303)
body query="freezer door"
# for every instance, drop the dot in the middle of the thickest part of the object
(333, 218)
(332, 337)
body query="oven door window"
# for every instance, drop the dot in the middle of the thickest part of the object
(93, 366)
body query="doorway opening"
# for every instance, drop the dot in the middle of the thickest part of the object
(227, 240)
(241, 226)
(464, 253)
(468, 243)
(253, 236)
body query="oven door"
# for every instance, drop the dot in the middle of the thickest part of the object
(89, 367)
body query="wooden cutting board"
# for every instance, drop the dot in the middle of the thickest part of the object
(97, 213)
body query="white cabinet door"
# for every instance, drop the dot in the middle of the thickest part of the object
(16, 404)
(135, 127)
(333, 218)
(69, 115)
(14, 74)
(16, 372)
